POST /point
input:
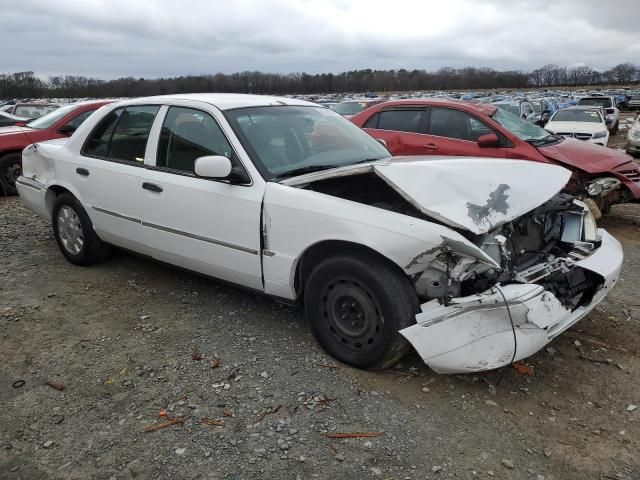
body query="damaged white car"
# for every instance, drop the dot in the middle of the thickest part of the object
(474, 262)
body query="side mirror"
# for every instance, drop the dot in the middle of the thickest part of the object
(67, 129)
(212, 166)
(488, 140)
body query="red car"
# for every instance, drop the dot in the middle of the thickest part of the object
(443, 127)
(59, 123)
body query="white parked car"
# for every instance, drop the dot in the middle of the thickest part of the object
(583, 123)
(476, 262)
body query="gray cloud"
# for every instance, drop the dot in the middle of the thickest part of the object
(111, 38)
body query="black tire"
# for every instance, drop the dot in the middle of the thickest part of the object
(614, 130)
(10, 170)
(69, 220)
(356, 304)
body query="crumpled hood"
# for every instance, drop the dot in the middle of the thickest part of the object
(475, 194)
(585, 156)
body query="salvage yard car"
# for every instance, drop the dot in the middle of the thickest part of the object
(446, 127)
(59, 123)
(582, 123)
(475, 262)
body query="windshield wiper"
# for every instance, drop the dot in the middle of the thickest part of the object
(549, 139)
(317, 168)
(307, 169)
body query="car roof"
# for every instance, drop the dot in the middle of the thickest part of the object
(485, 108)
(229, 101)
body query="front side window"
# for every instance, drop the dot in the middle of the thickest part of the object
(401, 120)
(188, 134)
(450, 123)
(78, 120)
(122, 134)
(290, 140)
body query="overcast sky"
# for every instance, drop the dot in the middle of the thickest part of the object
(152, 38)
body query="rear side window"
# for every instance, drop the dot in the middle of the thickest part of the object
(188, 134)
(401, 120)
(122, 134)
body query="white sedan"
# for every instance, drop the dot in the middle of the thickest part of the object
(582, 123)
(459, 257)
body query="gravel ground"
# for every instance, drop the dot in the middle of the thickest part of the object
(90, 357)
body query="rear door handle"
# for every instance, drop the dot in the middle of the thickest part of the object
(431, 146)
(82, 171)
(152, 186)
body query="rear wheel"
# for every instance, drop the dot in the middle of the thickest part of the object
(74, 232)
(614, 130)
(10, 170)
(356, 305)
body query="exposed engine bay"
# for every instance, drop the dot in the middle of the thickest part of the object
(540, 247)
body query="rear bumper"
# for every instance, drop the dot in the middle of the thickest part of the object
(474, 333)
(32, 194)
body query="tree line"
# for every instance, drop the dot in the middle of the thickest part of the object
(28, 85)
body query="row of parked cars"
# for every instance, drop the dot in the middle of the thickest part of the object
(457, 228)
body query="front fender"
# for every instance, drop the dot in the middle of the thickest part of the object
(296, 219)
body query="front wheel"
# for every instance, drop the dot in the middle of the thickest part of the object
(74, 232)
(10, 169)
(356, 305)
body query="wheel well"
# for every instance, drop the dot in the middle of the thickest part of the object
(51, 195)
(9, 152)
(328, 248)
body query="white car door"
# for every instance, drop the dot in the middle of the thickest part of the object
(209, 226)
(106, 173)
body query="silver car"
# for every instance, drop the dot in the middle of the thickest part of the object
(633, 138)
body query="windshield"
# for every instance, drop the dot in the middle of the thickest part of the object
(516, 125)
(599, 101)
(537, 106)
(50, 118)
(349, 108)
(577, 116)
(289, 140)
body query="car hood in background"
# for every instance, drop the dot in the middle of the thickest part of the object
(475, 194)
(585, 156)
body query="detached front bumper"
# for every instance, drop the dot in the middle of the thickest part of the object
(474, 333)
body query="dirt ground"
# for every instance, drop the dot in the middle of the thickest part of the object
(130, 339)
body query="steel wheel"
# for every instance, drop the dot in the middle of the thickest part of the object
(353, 316)
(70, 230)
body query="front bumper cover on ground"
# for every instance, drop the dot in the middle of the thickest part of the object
(474, 333)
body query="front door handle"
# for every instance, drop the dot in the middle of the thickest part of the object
(152, 186)
(431, 146)
(82, 171)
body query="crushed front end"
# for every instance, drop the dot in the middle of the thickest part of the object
(555, 267)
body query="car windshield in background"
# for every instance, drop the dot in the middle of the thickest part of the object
(290, 140)
(349, 108)
(33, 111)
(509, 108)
(522, 128)
(599, 101)
(577, 116)
(50, 118)
(537, 107)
